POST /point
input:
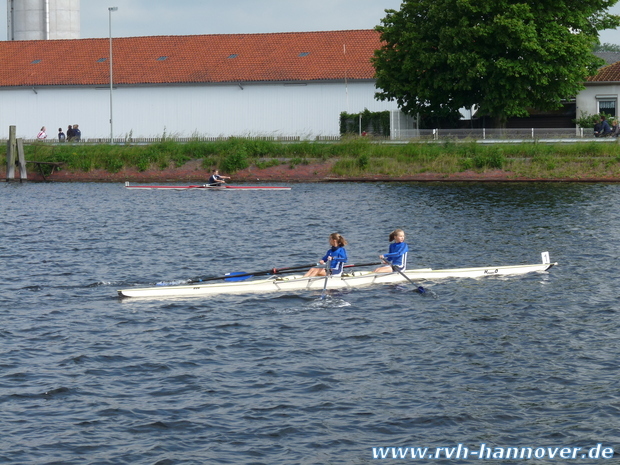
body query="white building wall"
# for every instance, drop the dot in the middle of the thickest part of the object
(587, 100)
(305, 111)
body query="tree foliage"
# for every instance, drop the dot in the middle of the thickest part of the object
(607, 47)
(503, 56)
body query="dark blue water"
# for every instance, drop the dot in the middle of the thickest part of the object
(87, 378)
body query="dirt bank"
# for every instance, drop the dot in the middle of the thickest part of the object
(193, 173)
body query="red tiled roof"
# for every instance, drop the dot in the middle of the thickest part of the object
(190, 59)
(608, 73)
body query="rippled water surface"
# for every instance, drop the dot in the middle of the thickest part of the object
(288, 378)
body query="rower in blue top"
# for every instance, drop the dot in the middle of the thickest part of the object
(336, 256)
(396, 258)
(216, 179)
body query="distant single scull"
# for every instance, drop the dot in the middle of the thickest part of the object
(207, 187)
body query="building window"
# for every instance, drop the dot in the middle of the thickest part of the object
(607, 106)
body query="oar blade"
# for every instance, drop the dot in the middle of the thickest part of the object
(416, 288)
(238, 276)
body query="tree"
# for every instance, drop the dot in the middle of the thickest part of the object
(503, 56)
(607, 47)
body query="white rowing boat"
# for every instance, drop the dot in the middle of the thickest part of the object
(347, 280)
(206, 187)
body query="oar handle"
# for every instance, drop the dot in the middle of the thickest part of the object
(290, 268)
(364, 264)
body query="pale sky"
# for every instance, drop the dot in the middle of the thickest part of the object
(184, 17)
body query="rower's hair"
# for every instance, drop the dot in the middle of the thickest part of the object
(341, 240)
(394, 233)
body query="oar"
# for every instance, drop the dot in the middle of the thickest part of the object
(328, 273)
(419, 289)
(363, 264)
(237, 274)
(241, 275)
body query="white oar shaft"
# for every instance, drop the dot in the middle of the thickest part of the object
(419, 289)
(328, 272)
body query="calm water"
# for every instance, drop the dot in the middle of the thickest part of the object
(279, 379)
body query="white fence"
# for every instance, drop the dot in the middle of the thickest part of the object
(507, 134)
(404, 134)
(483, 134)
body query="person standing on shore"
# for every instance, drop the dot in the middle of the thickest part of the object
(61, 135)
(42, 134)
(70, 133)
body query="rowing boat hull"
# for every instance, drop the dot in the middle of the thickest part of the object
(352, 280)
(205, 187)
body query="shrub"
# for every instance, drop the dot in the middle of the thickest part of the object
(588, 121)
(235, 160)
(112, 164)
(363, 161)
(495, 160)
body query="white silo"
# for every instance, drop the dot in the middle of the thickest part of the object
(43, 19)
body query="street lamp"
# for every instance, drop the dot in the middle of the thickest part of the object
(110, 10)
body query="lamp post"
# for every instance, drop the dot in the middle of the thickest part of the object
(110, 10)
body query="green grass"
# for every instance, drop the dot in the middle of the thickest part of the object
(351, 156)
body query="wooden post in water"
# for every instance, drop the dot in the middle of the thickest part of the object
(21, 160)
(11, 151)
(15, 156)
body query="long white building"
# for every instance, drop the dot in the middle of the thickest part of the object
(284, 84)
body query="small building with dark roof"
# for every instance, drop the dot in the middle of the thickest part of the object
(601, 92)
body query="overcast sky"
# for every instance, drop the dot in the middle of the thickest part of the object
(183, 17)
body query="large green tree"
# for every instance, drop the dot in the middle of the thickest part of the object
(503, 56)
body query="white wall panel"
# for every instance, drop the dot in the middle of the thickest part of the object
(587, 98)
(306, 111)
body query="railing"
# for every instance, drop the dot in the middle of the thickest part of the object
(483, 134)
(156, 140)
(407, 135)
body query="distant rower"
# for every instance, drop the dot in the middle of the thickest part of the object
(216, 179)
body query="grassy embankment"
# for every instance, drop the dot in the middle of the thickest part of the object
(352, 157)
